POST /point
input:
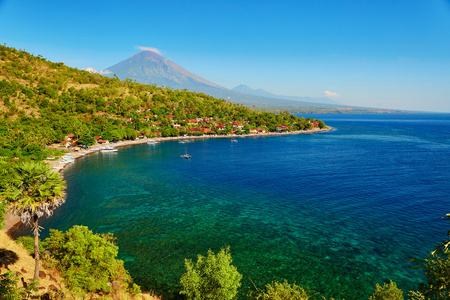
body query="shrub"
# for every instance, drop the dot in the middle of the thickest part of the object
(437, 271)
(212, 277)
(87, 260)
(28, 243)
(388, 291)
(9, 289)
(281, 291)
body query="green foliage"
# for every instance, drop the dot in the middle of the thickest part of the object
(2, 212)
(42, 109)
(28, 243)
(212, 277)
(281, 291)
(9, 289)
(322, 124)
(437, 272)
(87, 260)
(86, 140)
(388, 291)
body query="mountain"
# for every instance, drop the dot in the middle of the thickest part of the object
(259, 92)
(148, 67)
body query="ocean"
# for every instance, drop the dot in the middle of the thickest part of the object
(335, 212)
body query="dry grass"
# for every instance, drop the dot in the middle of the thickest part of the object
(24, 266)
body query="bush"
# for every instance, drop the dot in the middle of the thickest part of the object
(9, 289)
(28, 243)
(212, 277)
(437, 272)
(388, 291)
(87, 260)
(281, 291)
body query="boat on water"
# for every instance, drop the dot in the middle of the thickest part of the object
(234, 141)
(185, 156)
(152, 142)
(109, 149)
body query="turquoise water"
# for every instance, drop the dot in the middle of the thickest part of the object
(337, 212)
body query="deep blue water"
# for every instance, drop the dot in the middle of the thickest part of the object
(337, 212)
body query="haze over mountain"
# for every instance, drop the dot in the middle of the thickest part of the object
(260, 92)
(148, 67)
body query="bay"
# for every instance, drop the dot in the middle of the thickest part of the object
(336, 212)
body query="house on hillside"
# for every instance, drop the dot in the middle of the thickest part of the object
(260, 130)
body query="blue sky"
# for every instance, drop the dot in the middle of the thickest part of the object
(386, 54)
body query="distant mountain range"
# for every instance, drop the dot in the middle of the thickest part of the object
(259, 92)
(151, 68)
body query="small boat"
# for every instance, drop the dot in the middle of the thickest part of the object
(234, 141)
(152, 142)
(185, 156)
(109, 149)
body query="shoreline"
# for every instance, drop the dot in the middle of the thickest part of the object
(12, 221)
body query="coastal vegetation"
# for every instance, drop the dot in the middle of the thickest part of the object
(212, 277)
(44, 103)
(33, 191)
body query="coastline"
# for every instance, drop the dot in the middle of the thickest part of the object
(12, 221)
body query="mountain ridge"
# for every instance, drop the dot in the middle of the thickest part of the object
(148, 67)
(260, 92)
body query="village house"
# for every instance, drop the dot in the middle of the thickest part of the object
(260, 130)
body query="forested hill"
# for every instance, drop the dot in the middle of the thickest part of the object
(42, 102)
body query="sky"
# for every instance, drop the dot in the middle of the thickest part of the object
(391, 54)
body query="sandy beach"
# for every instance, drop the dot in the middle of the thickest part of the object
(12, 222)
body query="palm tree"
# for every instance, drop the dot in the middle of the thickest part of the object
(33, 191)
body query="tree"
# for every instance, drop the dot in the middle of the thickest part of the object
(437, 272)
(321, 124)
(87, 260)
(212, 277)
(277, 290)
(389, 291)
(33, 191)
(9, 290)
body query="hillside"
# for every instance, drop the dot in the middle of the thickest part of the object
(43, 102)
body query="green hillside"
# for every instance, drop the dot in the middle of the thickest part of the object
(42, 102)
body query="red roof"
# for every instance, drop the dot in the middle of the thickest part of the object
(70, 135)
(102, 141)
(194, 129)
(192, 120)
(147, 117)
(97, 137)
(169, 116)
